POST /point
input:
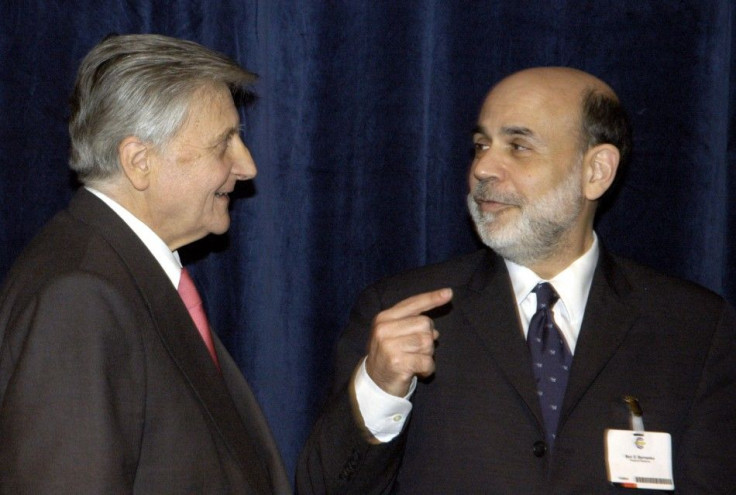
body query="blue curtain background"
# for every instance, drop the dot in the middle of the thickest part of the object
(362, 139)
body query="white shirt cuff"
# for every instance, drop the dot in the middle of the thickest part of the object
(383, 414)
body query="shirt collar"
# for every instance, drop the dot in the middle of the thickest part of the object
(169, 261)
(572, 284)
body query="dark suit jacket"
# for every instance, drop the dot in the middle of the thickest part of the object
(105, 383)
(476, 425)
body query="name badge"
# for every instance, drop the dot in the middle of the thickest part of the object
(639, 459)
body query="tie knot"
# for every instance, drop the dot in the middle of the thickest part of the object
(546, 295)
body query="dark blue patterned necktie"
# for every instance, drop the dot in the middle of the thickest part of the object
(550, 358)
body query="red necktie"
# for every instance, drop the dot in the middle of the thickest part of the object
(193, 302)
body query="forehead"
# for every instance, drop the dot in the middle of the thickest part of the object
(211, 113)
(542, 105)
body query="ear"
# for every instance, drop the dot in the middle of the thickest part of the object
(601, 165)
(134, 156)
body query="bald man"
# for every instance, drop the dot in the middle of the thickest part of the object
(543, 364)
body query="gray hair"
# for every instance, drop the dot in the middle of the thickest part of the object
(140, 85)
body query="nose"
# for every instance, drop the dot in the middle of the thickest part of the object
(243, 166)
(487, 165)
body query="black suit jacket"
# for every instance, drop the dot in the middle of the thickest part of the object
(476, 424)
(105, 383)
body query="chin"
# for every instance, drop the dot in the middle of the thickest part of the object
(220, 231)
(220, 227)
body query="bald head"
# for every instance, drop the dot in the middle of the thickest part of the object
(548, 144)
(559, 79)
(577, 100)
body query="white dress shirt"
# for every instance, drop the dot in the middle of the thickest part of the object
(169, 261)
(572, 285)
(384, 414)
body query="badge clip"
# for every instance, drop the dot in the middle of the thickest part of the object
(637, 419)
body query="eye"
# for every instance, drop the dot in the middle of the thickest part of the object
(516, 146)
(479, 148)
(222, 147)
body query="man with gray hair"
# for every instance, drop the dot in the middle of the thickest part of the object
(111, 380)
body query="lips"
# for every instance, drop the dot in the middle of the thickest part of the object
(492, 206)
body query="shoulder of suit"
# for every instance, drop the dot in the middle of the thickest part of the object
(646, 282)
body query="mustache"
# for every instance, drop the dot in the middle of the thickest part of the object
(486, 191)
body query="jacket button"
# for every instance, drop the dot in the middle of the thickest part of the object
(539, 448)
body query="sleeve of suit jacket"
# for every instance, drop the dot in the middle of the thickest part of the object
(72, 348)
(338, 458)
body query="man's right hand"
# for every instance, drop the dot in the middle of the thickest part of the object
(402, 342)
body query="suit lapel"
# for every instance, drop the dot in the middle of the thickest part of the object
(489, 307)
(606, 322)
(178, 333)
(255, 423)
(183, 342)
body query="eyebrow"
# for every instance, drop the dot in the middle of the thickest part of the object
(226, 135)
(478, 130)
(517, 131)
(508, 131)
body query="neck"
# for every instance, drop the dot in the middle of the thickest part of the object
(563, 257)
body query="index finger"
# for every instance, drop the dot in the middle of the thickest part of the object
(415, 305)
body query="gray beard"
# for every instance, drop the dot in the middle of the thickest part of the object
(539, 231)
